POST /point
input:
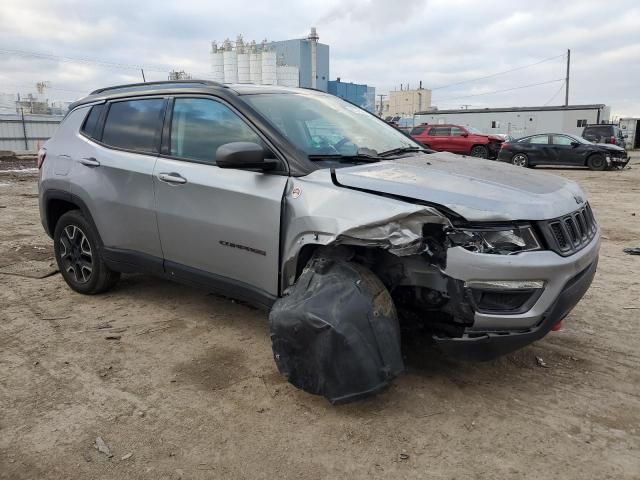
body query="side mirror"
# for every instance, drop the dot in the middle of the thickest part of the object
(465, 134)
(575, 144)
(244, 156)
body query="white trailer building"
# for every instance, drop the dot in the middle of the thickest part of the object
(520, 121)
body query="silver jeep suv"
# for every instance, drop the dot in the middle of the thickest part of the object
(345, 228)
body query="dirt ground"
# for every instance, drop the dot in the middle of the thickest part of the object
(187, 388)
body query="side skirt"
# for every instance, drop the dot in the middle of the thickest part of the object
(128, 261)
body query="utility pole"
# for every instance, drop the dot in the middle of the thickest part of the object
(143, 79)
(566, 80)
(381, 97)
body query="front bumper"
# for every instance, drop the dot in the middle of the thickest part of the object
(619, 162)
(479, 346)
(566, 279)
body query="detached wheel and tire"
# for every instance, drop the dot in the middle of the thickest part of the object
(520, 160)
(79, 257)
(596, 162)
(480, 151)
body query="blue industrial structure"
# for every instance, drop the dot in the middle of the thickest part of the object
(362, 95)
(297, 52)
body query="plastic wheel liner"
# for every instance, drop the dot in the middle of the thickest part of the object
(336, 333)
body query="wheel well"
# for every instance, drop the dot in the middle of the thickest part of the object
(586, 161)
(55, 209)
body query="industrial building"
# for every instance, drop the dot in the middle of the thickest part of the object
(299, 62)
(358, 94)
(520, 121)
(404, 102)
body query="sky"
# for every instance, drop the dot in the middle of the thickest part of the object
(446, 44)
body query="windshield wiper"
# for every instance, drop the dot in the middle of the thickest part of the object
(359, 157)
(396, 151)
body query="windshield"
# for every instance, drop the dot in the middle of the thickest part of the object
(327, 125)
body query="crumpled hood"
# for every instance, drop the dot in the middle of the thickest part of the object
(478, 190)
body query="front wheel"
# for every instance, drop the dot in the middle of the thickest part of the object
(520, 160)
(79, 256)
(597, 162)
(480, 151)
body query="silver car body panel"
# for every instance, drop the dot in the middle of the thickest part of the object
(317, 212)
(478, 190)
(222, 221)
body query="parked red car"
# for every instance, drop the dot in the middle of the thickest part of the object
(457, 139)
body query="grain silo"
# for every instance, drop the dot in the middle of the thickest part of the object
(230, 63)
(255, 64)
(269, 76)
(217, 64)
(243, 61)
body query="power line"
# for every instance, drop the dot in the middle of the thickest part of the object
(102, 63)
(504, 90)
(60, 58)
(555, 94)
(498, 73)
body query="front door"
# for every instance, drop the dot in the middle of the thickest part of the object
(218, 225)
(564, 153)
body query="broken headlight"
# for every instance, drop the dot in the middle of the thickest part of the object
(496, 241)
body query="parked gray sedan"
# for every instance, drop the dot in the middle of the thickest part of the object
(344, 227)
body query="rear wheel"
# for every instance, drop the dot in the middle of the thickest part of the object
(79, 256)
(480, 151)
(596, 162)
(520, 160)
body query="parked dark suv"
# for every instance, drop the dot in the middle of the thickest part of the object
(604, 134)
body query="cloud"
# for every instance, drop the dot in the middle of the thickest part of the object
(379, 42)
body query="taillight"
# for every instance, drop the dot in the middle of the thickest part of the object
(42, 153)
(612, 140)
(503, 145)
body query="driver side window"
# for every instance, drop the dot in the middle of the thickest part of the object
(199, 126)
(561, 140)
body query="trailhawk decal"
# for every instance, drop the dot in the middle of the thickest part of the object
(243, 247)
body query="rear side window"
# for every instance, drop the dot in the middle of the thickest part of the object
(91, 123)
(539, 140)
(417, 130)
(134, 125)
(440, 132)
(199, 126)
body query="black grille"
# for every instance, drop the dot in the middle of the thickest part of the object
(566, 235)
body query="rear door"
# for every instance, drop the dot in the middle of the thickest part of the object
(438, 138)
(221, 226)
(113, 163)
(538, 150)
(458, 142)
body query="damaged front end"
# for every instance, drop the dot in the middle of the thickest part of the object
(348, 283)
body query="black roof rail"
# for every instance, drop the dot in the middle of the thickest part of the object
(208, 83)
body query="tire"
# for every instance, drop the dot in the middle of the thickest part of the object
(597, 162)
(520, 160)
(479, 151)
(79, 255)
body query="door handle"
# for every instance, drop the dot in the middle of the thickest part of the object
(172, 178)
(90, 162)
